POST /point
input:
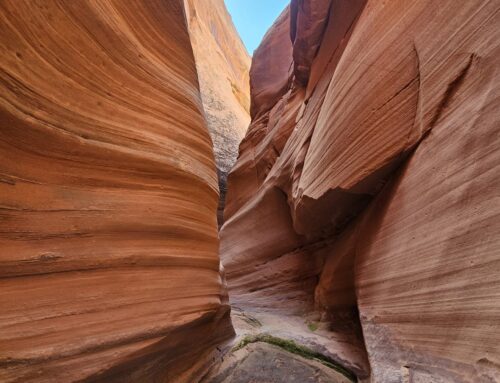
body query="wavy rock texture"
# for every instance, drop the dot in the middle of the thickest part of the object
(223, 65)
(368, 182)
(108, 196)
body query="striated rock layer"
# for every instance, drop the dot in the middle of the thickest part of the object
(367, 185)
(108, 195)
(223, 64)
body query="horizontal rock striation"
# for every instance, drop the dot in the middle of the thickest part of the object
(367, 184)
(109, 261)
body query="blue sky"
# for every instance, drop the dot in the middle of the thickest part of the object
(253, 18)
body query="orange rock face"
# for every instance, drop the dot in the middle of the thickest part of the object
(368, 182)
(223, 64)
(108, 195)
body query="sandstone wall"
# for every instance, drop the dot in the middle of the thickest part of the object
(368, 182)
(223, 64)
(108, 193)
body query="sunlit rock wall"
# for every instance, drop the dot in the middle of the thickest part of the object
(108, 194)
(223, 64)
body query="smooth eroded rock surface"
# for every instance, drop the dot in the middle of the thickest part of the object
(109, 261)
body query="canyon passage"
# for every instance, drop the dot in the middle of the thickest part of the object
(174, 210)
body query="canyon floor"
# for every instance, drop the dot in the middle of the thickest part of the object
(265, 363)
(273, 348)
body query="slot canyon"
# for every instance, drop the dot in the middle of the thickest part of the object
(174, 210)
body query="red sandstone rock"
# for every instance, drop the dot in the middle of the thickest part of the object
(269, 74)
(374, 169)
(265, 179)
(308, 23)
(108, 195)
(425, 274)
